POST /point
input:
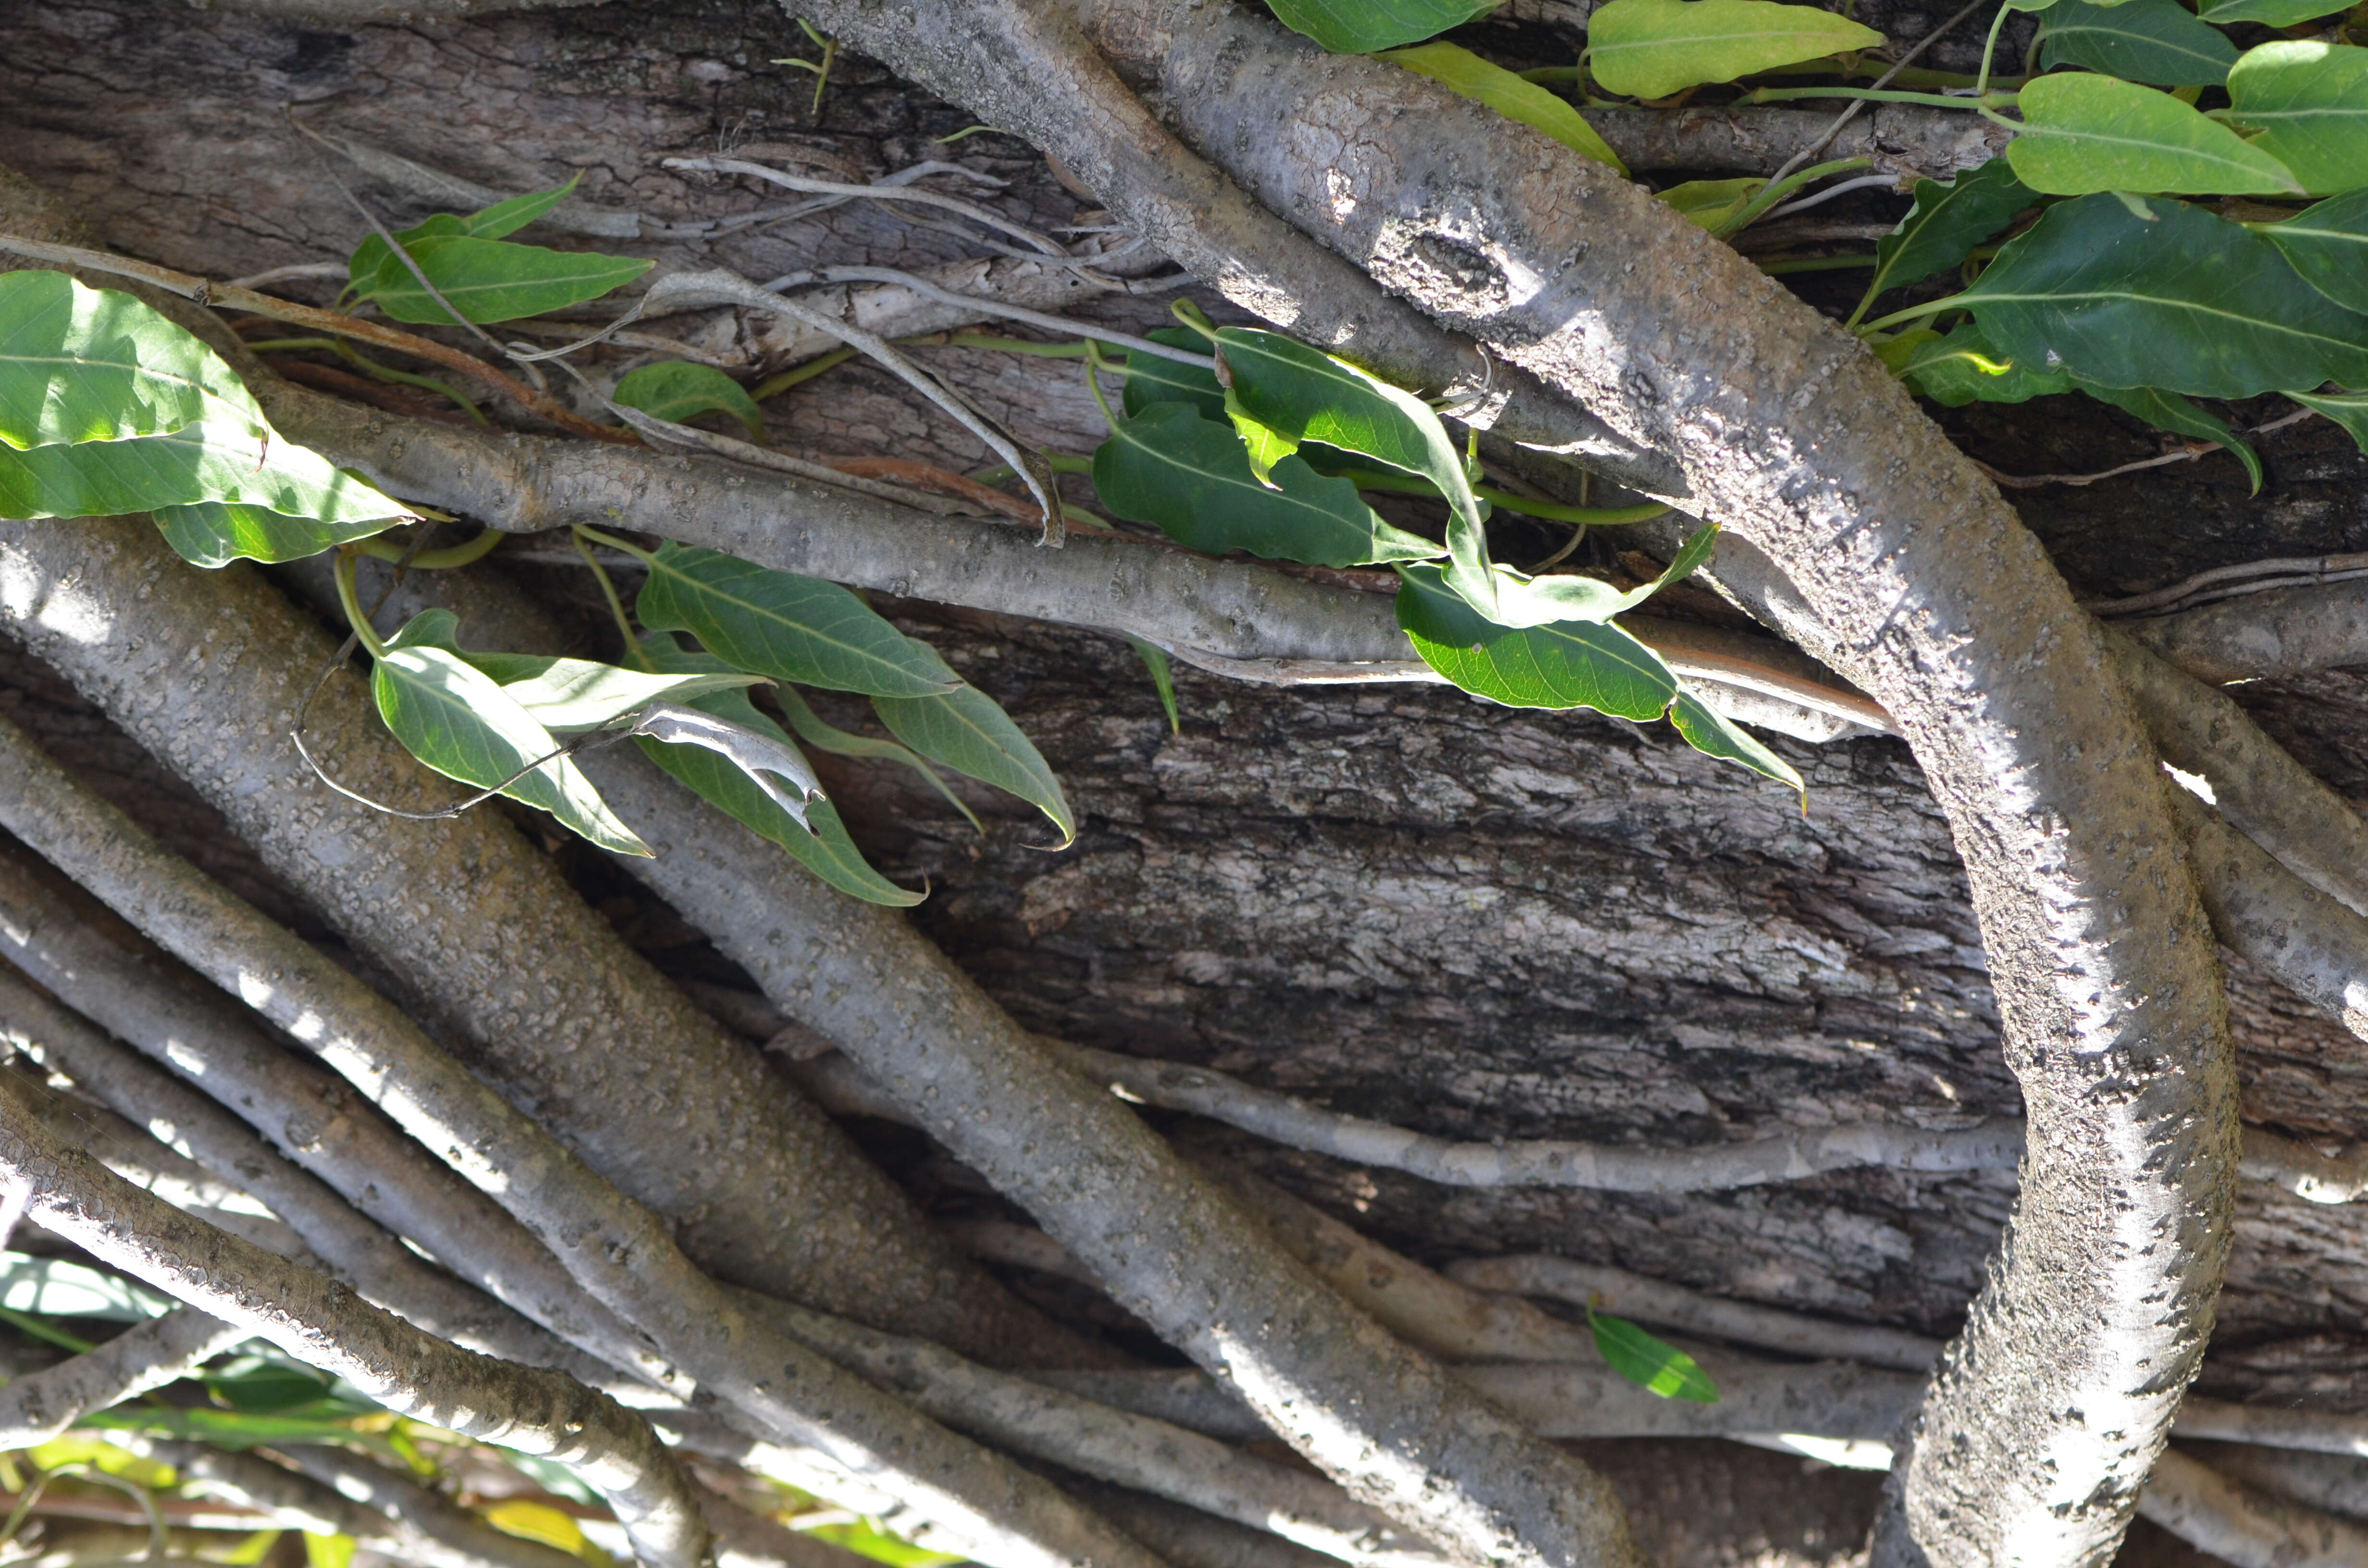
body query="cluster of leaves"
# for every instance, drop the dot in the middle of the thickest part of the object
(1265, 446)
(2084, 268)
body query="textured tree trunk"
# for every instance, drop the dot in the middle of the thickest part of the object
(1398, 900)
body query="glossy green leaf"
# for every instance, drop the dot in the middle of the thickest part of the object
(1649, 49)
(1649, 1363)
(1712, 734)
(790, 628)
(680, 390)
(2082, 134)
(182, 468)
(1946, 223)
(2349, 409)
(1163, 680)
(815, 732)
(580, 693)
(215, 533)
(2268, 13)
(1149, 379)
(1710, 203)
(1360, 27)
(493, 281)
(2176, 299)
(502, 219)
(1524, 600)
(459, 722)
(1191, 478)
(2307, 103)
(1966, 366)
(1263, 445)
(1574, 665)
(80, 364)
(2141, 40)
(2169, 410)
(2328, 244)
(1308, 395)
(967, 732)
(1464, 74)
(823, 846)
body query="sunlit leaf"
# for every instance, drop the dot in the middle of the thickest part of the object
(2083, 133)
(1574, 665)
(215, 533)
(80, 364)
(1965, 367)
(2328, 244)
(329, 1550)
(460, 724)
(1466, 74)
(2307, 102)
(788, 627)
(530, 1521)
(1524, 600)
(679, 390)
(55, 1287)
(1712, 734)
(1191, 478)
(1650, 1363)
(1359, 27)
(1710, 203)
(1649, 49)
(2175, 298)
(966, 730)
(2142, 40)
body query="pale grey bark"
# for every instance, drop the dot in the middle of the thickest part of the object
(2279, 631)
(2244, 1526)
(319, 1321)
(1168, 1246)
(2336, 1483)
(1898, 139)
(680, 1327)
(2315, 946)
(1673, 1306)
(36, 1406)
(330, 1152)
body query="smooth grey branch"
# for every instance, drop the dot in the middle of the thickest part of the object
(319, 1321)
(36, 1406)
(2242, 1525)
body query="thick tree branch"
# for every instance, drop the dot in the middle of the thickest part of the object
(321, 1323)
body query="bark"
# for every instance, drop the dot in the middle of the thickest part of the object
(314, 1319)
(680, 1329)
(39, 1405)
(2245, 1526)
(2281, 631)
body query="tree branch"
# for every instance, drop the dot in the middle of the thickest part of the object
(318, 1322)
(36, 1406)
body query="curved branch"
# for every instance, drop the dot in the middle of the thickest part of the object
(319, 1321)
(36, 1406)
(2243, 1525)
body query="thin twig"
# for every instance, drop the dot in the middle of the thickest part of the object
(2290, 570)
(205, 291)
(1843, 119)
(2189, 453)
(987, 307)
(882, 192)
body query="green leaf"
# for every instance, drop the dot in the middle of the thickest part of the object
(965, 730)
(1163, 680)
(1360, 27)
(80, 364)
(1192, 478)
(823, 846)
(1946, 223)
(267, 1388)
(1712, 734)
(1966, 366)
(1263, 445)
(2268, 13)
(1464, 74)
(2348, 409)
(2141, 40)
(2083, 133)
(56, 1287)
(2177, 299)
(1648, 1362)
(822, 736)
(1149, 379)
(181, 468)
(569, 694)
(790, 628)
(1308, 395)
(329, 1550)
(506, 217)
(1649, 49)
(2328, 244)
(492, 280)
(2169, 410)
(680, 390)
(460, 724)
(1574, 665)
(1710, 203)
(2308, 101)
(215, 533)
(1524, 600)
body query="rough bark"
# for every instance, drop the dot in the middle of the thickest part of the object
(39, 1405)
